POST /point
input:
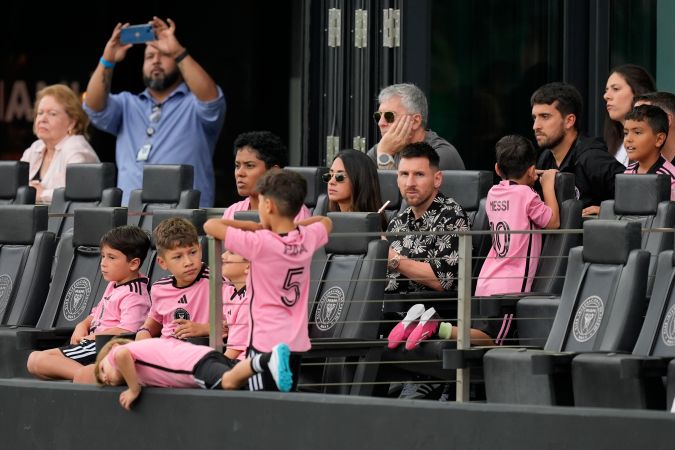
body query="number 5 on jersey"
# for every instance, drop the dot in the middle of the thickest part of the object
(293, 287)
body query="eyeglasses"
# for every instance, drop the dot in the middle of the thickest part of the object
(389, 116)
(339, 177)
(155, 115)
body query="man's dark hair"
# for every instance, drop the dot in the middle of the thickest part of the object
(269, 147)
(421, 150)
(567, 97)
(655, 117)
(286, 188)
(515, 154)
(173, 233)
(664, 100)
(131, 240)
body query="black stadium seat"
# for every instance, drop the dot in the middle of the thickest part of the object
(14, 187)
(164, 187)
(600, 310)
(87, 185)
(26, 254)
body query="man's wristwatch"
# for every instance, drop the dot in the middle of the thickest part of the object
(384, 160)
(393, 263)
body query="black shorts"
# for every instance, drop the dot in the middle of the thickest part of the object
(265, 382)
(209, 370)
(84, 352)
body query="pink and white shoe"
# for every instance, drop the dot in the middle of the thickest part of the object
(403, 329)
(427, 327)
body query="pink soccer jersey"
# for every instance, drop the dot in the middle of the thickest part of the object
(662, 167)
(278, 283)
(163, 362)
(122, 306)
(245, 205)
(170, 302)
(513, 258)
(235, 311)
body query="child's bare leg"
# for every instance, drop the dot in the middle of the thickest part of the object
(85, 375)
(235, 378)
(52, 365)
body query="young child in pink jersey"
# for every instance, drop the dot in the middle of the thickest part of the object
(255, 153)
(235, 304)
(179, 364)
(122, 309)
(514, 205)
(645, 133)
(180, 302)
(280, 252)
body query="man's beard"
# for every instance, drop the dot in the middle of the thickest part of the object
(552, 142)
(161, 83)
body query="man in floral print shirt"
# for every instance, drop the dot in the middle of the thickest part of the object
(424, 261)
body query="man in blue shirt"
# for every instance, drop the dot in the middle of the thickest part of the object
(176, 120)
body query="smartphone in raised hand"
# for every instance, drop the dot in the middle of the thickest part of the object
(137, 34)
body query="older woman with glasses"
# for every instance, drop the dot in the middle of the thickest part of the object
(353, 185)
(60, 125)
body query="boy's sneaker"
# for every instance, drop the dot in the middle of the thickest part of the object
(426, 328)
(279, 367)
(403, 329)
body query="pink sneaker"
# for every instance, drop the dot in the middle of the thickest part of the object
(427, 327)
(403, 329)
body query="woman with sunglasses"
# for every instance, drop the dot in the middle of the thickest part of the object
(353, 185)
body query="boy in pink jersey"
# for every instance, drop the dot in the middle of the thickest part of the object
(645, 132)
(122, 309)
(179, 364)
(255, 153)
(513, 205)
(180, 302)
(280, 252)
(235, 304)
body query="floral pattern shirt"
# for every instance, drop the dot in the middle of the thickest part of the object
(440, 251)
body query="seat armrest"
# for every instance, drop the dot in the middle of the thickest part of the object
(644, 367)
(465, 358)
(552, 363)
(43, 339)
(494, 305)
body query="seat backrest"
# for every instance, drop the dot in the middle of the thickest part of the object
(14, 187)
(644, 199)
(77, 284)
(315, 185)
(390, 192)
(197, 216)
(87, 186)
(657, 336)
(348, 279)
(604, 292)
(550, 273)
(26, 253)
(164, 187)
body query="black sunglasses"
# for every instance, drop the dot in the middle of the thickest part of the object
(339, 177)
(389, 116)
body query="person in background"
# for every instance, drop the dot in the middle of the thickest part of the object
(61, 126)
(353, 184)
(623, 84)
(175, 120)
(665, 101)
(403, 117)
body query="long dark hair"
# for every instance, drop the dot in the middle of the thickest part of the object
(640, 82)
(362, 173)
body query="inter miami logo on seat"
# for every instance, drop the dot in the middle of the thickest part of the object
(588, 318)
(329, 309)
(668, 328)
(76, 299)
(5, 292)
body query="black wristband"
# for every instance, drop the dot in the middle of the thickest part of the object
(182, 56)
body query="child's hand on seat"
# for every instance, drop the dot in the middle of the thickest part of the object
(187, 328)
(128, 397)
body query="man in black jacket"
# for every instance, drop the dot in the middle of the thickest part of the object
(556, 112)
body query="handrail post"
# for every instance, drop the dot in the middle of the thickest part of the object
(215, 247)
(463, 314)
